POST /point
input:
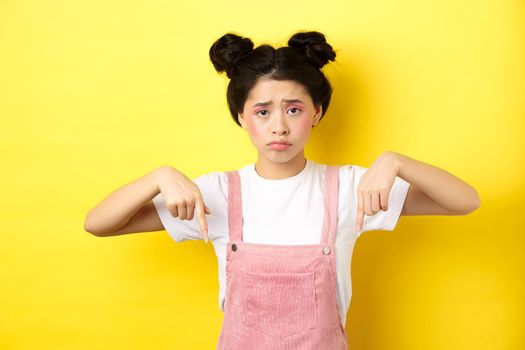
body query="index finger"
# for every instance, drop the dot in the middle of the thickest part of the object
(360, 212)
(199, 206)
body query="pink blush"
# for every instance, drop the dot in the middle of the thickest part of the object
(303, 127)
(254, 129)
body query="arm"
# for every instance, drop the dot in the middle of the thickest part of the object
(127, 209)
(434, 191)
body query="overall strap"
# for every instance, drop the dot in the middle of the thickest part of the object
(331, 204)
(234, 206)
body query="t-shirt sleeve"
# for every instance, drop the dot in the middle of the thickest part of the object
(382, 220)
(182, 230)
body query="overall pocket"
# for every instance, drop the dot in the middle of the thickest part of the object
(280, 304)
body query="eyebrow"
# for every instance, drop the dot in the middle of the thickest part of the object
(282, 100)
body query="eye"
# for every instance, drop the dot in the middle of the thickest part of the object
(262, 110)
(266, 111)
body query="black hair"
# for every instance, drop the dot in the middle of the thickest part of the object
(301, 61)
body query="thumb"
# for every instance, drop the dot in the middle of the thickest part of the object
(206, 209)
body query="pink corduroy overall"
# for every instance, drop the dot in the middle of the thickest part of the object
(282, 296)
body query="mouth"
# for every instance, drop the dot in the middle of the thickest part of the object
(279, 146)
(279, 143)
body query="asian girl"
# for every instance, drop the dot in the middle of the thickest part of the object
(283, 228)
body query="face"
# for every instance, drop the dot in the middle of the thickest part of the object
(279, 111)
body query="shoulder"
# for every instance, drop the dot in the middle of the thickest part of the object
(212, 184)
(351, 172)
(211, 178)
(346, 171)
(346, 167)
(215, 183)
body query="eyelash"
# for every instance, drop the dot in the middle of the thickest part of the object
(288, 109)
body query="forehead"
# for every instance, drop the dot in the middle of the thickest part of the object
(266, 90)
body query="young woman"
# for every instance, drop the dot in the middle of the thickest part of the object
(283, 228)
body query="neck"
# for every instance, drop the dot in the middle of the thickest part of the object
(278, 171)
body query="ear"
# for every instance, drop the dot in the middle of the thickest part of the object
(241, 120)
(317, 116)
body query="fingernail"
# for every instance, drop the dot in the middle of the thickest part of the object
(206, 240)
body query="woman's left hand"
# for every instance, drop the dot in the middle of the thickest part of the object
(374, 187)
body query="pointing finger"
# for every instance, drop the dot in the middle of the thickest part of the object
(360, 212)
(199, 206)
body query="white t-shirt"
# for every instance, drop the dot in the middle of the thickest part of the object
(287, 212)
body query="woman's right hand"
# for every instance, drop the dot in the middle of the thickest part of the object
(182, 197)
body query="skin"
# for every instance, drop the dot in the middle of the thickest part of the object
(279, 120)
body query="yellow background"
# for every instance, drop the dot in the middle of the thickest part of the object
(95, 94)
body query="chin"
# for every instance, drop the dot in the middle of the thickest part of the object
(279, 157)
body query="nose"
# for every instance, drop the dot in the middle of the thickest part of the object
(280, 127)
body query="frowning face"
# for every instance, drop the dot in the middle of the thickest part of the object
(281, 111)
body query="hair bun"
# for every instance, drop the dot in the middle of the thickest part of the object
(314, 46)
(229, 49)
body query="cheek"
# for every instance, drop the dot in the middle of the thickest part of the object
(303, 127)
(254, 129)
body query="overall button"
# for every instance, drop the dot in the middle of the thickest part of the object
(234, 247)
(326, 250)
